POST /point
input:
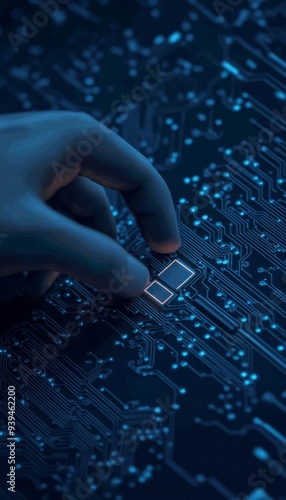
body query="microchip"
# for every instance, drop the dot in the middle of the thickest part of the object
(176, 274)
(158, 292)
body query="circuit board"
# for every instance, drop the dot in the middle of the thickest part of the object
(178, 393)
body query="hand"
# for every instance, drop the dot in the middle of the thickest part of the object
(65, 159)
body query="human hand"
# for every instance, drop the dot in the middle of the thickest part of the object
(65, 159)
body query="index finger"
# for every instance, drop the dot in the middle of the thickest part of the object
(115, 164)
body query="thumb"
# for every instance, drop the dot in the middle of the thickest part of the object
(53, 241)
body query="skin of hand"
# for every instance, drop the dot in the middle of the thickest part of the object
(54, 213)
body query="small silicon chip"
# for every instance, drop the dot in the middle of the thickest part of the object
(176, 274)
(158, 292)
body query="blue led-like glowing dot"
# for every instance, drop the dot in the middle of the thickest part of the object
(175, 37)
(157, 410)
(187, 180)
(190, 95)
(201, 117)
(280, 348)
(185, 353)
(202, 353)
(243, 320)
(89, 80)
(193, 210)
(228, 152)
(280, 95)
(188, 141)
(182, 390)
(175, 366)
(260, 453)
(205, 217)
(280, 181)
(243, 374)
(197, 223)
(218, 122)
(195, 178)
(236, 107)
(133, 72)
(159, 39)
(231, 416)
(169, 121)
(253, 376)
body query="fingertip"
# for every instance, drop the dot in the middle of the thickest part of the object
(136, 279)
(169, 246)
